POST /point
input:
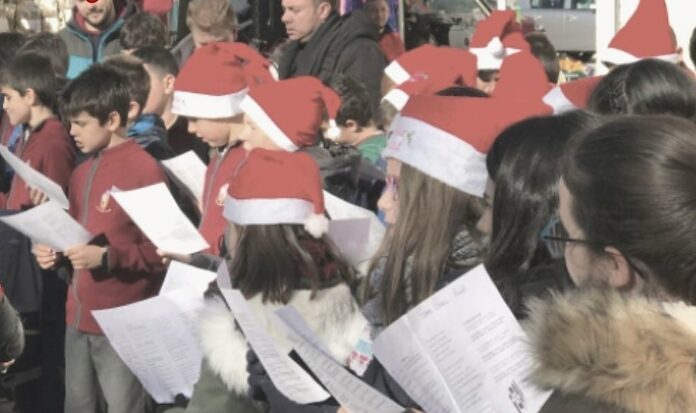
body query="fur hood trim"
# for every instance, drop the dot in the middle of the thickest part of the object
(333, 315)
(624, 350)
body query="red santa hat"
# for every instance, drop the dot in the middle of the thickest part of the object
(215, 79)
(522, 76)
(423, 83)
(572, 95)
(291, 111)
(448, 137)
(276, 187)
(646, 35)
(496, 37)
(429, 59)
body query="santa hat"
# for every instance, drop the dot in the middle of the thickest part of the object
(448, 137)
(522, 76)
(291, 111)
(215, 79)
(646, 35)
(496, 37)
(423, 83)
(429, 59)
(276, 187)
(572, 95)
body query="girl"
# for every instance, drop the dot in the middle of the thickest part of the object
(628, 215)
(278, 254)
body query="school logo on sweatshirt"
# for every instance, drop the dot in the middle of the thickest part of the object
(103, 206)
(222, 194)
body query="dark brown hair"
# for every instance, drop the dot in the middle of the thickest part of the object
(275, 260)
(632, 186)
(141, 30)
(132, 69)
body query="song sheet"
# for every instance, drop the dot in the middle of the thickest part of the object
(186, 277)
(189, 171)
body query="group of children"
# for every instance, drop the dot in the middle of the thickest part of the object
(474, 167)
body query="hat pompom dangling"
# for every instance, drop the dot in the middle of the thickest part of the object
(317, 225)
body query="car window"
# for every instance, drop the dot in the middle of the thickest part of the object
(547, 4)
(582, 4)
(452, 6)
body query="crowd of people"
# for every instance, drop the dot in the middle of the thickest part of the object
(578, 198)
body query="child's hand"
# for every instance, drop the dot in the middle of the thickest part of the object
(37, 197)
(85, 257)
(45, 256)
(167, 257)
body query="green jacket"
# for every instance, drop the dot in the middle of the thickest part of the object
(81, 49)
(372, 147)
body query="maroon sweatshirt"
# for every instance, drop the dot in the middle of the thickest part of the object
(48, 150)
(134, 271)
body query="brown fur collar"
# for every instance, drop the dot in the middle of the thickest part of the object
(623, 350)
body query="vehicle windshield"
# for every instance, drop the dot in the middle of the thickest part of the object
(458, 6)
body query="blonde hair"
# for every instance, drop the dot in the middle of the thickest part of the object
(215, 17)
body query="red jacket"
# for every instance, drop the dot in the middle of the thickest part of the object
(50, 151)
(134, 271)
(391, 45)
(222, 167)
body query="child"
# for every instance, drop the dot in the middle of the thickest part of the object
(210, 21)
(9, 45)
(163, 70)
(120, 266)
(142, 30)
(279, 254)
(356, 121)
(29, 87)
(147, 129)
(211, 104)
(53, 48)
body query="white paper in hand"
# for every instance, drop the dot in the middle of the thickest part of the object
(189, 171)
(155, 212)
(186, 277)
(50, 225)
(286, 375)
(351, 392)
(35, 179)
(462, 350)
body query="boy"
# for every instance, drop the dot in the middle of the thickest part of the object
(119, 266)
(356, 122)
(147, 129)
(29, 87)
(53, 48)
(142, 30)
(163, 70)
(209, 21)
(9, 45)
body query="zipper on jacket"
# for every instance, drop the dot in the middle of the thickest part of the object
(83, 221)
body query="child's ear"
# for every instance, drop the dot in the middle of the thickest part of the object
(352, 126)
(113, 122)
(133, 110)
(169, 84)
(31, 97)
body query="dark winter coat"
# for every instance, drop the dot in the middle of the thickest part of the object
(341, 45)
(11, 331)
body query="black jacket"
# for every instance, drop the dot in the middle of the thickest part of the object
(342, 45)
(11, 331)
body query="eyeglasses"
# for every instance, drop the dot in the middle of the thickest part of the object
(392, 185)
(556, 237)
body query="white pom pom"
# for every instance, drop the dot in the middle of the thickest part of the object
(495, 47)
(333, 132)
(317, 225)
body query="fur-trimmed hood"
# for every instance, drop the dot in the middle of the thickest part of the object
(333, 315)
(628, 351)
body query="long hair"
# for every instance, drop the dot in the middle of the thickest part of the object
(632, 187)
(431, 213)
(276, 260)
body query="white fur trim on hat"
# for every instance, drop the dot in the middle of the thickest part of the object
(267, 211)
(317, 225)
(491, 57)
(397, 97)
(396, 73)
(252, 109)
(620, 57)
(334, 132)
(558, 101)
(198, 105)
(438, 154)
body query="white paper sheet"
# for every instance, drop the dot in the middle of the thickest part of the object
(157, 339)
(462, 351)
(340, 210)
(35, 179)
(351, 392)
(155, 212)
(49, 224)
(286, 375)
(223, 276)
(186, 277)
(189, 172)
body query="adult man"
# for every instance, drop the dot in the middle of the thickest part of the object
(389, 40)
(92, 33)
(323, 44)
